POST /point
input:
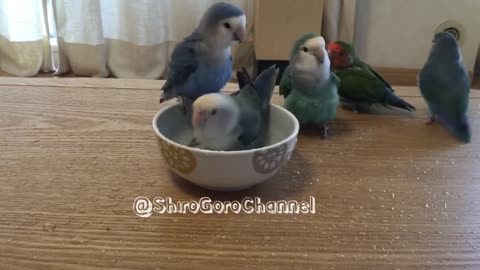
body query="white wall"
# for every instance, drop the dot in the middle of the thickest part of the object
(398, 33)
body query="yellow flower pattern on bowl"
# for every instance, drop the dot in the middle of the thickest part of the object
(179, 159)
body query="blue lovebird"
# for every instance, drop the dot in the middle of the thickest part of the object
(202, 63)
(445, 85)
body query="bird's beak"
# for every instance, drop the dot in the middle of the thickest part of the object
(198, 119)
(320, 55)
(239, 34)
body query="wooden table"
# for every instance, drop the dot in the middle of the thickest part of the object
(391, 193)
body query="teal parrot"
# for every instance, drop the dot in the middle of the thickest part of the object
(236, 122)
(308, 85)
(361, 87)
(445, 85)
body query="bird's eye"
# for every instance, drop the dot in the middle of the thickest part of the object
(214, 112)
(305, 49)
(342, 54)
(227, 25)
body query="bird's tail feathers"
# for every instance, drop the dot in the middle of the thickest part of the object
(462, 131)
(244, 78)
(394, 101)
(265, 84)
(459, 128)
(167, 95)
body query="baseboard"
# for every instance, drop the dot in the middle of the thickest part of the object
(395, 76)
(401, 76)
(398, 76)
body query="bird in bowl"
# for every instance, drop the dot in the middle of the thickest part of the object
(238, 121)
(360, 86)
(202, 62)
(445, 85)
(308, 85)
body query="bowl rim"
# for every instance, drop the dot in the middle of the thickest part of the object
(205, 151)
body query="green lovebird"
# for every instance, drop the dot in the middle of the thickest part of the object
(445, 85)
(361, 87)
(308, 85)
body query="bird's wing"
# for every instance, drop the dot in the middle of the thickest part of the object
(286, 83)
(250, 127)
(335, 79)
(250, 116)
(379, 77)
(183, 62)
(244, 81)
(360, 85)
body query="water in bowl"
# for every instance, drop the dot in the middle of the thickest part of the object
(177, 127)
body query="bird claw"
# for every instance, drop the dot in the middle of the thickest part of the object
(323, 131)
(193, 143)
(184, 106)
(187, 104)
(350, 107)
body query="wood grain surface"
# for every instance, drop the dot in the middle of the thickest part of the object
(391, 193)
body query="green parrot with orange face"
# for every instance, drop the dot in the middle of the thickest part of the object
(361, 87)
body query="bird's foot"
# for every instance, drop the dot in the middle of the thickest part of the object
(184, 106)
(350, 107)
(323, 131)
(193, 143)
(347, 106)
(187, 104)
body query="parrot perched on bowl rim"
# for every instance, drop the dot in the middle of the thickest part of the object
(202, 62)
(361, 87)
(308, 84)
(445, 85)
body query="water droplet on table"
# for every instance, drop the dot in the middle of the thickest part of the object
(49, 227)
(78, 241)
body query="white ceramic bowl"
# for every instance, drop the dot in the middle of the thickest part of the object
(219, 170)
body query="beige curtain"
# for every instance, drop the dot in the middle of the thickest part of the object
(24, 37)
(128, 39)
(339, 20)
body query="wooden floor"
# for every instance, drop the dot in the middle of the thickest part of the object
(391, 192)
